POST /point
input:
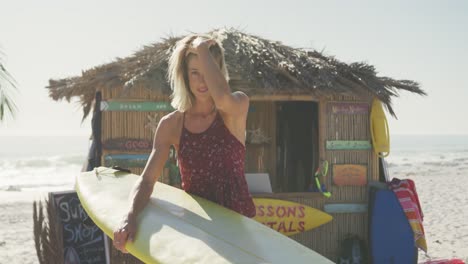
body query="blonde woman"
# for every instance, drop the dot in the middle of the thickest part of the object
(207, 131)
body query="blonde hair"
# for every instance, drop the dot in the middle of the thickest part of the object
(182, 98)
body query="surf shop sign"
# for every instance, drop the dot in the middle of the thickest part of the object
(83, 241)
(288, 218)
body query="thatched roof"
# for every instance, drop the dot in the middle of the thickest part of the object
(256, 66)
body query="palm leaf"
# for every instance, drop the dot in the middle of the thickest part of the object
(7, 87)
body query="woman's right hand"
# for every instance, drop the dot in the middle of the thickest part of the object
(125, 232)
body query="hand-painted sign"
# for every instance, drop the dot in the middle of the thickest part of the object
(136, 106)
(349, 175)
(126, 160)
(348, 145)
(287, 217)
(83, 241)
(347, 108)
(126, 144)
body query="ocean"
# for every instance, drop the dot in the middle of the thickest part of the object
(428, 155)
(33, 163)
(29, 163)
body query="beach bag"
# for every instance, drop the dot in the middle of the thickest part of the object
(405, 190)
(353, 251)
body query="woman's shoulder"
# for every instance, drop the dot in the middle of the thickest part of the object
(171, 119)
(167, 125)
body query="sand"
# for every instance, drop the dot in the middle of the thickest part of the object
(443, 198)
(16, 227)
(444, 201)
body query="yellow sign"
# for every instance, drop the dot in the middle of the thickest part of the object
(287, 217)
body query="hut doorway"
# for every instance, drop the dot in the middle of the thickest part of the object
(297, 145)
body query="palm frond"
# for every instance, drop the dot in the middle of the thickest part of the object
(47, 237)
(7, 88)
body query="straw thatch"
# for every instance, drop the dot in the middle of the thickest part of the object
(256, 66)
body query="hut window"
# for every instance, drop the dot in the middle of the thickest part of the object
(297, 143)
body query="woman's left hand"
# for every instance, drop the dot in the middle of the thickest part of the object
(200, 43)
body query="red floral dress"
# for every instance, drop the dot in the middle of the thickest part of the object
(212, 166)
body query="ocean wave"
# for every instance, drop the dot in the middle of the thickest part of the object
(21, 187)
(442, 163)
(43, 162)
(11, 188)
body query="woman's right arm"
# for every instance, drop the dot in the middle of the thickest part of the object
(143, 187)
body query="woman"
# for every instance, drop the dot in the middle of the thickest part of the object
(207, 130)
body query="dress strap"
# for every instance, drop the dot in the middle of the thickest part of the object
(183, 121)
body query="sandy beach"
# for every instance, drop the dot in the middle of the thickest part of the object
(442, 192)
(443, 197)
(16, 232)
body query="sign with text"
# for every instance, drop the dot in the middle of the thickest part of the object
(348, 145)
(287, 217)
(83, 241)
(349, 175)
(346, 108)
(126, 160)
(136, 106)
(128, 144)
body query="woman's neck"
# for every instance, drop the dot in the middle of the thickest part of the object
(202, 108)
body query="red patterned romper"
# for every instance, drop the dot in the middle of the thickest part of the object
(212, 166)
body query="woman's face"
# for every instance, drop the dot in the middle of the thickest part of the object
(196, 79)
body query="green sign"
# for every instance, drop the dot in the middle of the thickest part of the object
(126, 160)
(136, 106)
(348, 145)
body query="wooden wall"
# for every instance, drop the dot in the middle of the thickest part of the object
(327, 238)
(262, 158)
(129, 124)
(344, 127)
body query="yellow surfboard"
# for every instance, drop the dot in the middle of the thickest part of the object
(379, 129)
(176, 227)
(289, 218)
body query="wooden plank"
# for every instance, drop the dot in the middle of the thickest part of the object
(348, 145)
(322, 127)
(283, 97)
(349, 175)
(128, 144)
(345, 208)
(135, 106)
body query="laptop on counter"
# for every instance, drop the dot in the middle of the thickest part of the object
(258, 182)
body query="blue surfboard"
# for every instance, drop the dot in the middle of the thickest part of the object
(391, 238)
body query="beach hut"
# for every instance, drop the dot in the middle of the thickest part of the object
(306, 108)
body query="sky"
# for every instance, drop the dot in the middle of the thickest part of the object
(424, 41)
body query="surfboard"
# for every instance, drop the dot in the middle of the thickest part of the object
(391, 238)
(288, 218)
(379, 129)
(176, 227)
